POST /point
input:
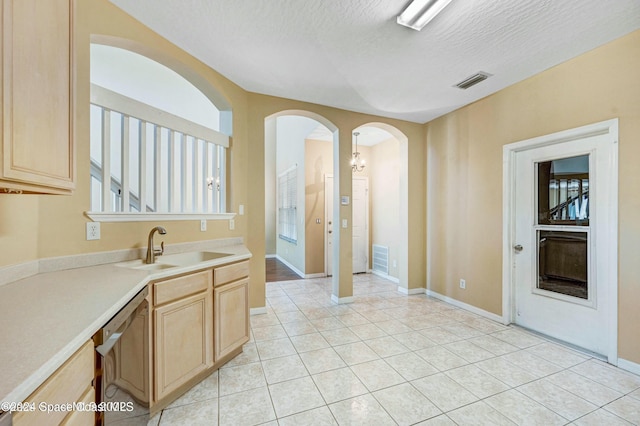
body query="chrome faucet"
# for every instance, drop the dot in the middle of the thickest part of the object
(152, 252)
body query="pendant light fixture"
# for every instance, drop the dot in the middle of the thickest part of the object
(357, 163)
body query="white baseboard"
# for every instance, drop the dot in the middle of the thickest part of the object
(270, 256)
(318, 275)
(410, 291)
(465, 306)
(386, 276)
(290, 266)
(630, 366)
(258, 311)
(341, 300)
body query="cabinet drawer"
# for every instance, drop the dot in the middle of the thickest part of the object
(235, 271)
(175, 288)
(79, 418)
(68, 384)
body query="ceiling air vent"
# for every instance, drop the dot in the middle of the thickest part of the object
(473, 80)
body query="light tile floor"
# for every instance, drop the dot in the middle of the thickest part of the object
(394, 359)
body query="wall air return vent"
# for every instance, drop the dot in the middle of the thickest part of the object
(473, 80)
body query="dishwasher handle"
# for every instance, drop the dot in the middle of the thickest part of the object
(114, 336)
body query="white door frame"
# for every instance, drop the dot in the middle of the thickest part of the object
(608, 247)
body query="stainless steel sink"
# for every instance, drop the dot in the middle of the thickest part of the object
(190, 258)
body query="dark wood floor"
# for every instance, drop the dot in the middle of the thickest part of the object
(278, 271)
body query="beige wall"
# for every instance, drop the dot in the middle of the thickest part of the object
(18, 228)
(33, 227)
(385, 196)
(465, 173)
(319, 163)
(270, 187)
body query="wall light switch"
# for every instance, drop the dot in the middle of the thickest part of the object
(203, 225)
(318, 221)
(93, 231)
(241, 209)
(232, 224)
(344, 223)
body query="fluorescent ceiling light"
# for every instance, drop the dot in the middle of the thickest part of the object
(420, 12)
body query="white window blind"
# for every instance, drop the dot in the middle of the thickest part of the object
(287, 204)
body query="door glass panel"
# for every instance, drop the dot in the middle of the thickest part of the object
(563, 191)
(562, 262)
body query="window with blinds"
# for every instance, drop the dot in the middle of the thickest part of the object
(287, 204)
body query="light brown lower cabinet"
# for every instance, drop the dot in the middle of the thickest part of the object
(72, 382)
(231, 325)
(197, 322)
(182, 332)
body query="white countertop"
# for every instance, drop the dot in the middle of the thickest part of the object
(45, 318)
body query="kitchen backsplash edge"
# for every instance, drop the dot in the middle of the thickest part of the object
(11, 273)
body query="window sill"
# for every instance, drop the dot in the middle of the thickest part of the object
(155, 217)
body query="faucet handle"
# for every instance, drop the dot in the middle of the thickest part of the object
(160, 251)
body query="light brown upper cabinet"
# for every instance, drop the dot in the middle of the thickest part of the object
(37, 143)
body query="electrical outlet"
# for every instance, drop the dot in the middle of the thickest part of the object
(203, 225)
(93, 231)
(232, 224)
(463, 284)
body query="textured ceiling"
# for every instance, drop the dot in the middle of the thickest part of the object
(351, 54)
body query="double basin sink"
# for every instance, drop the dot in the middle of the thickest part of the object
(174, 260)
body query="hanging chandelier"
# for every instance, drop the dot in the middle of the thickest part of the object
(357, 163)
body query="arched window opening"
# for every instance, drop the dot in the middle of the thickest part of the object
(156, 144)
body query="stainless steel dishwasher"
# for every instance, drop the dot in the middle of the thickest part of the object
(107, 337)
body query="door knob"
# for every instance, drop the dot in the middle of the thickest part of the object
(517, 248)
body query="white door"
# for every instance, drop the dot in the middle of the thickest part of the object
(359, 223)
(562, 243)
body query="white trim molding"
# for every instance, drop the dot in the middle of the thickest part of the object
(629, 366)
(411, 291)
(153, 217)
(465, 306)
(386, 277)
(341, 300)
(290, 266)
(318, 275)
(258, 311)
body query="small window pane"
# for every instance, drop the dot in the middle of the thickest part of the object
(563, 263)
(563, 191)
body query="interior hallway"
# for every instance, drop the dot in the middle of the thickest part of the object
(278, 271)
(393, 359)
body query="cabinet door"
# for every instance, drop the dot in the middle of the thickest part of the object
(231, 317)
(182, 347)
(37, 96)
